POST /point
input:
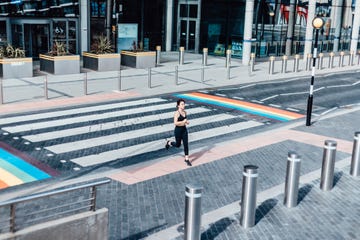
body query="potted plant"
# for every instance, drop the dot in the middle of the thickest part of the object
(14, 64)
(137, 57)
(101, 56)
(59, 60)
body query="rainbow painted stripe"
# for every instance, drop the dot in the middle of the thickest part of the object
(17, 168)
(252, 108)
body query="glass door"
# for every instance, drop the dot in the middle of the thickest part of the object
(188, 25)
(36, 39)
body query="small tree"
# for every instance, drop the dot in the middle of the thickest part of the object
(11, 52)
(58, 49)
(101, 45)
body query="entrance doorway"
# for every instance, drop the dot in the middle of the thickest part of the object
(188, 25)
(36, 38)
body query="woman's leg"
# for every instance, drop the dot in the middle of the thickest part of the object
(178, 138)
(186, 144)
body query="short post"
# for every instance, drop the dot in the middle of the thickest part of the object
(158, 55)
(192, 220)
(202, 73)
(351, 58)
(46, 87)
(296, 63)
(204, 56)
(292, 180)
(149, 77)
(308, 62)
(176, 75)
(355, 158)
(271, 65)
(284, 63)
(321, 60)
(228, 72)
(359, 57)
(85, 83)
(328, 165)
(181, 55)
(228, 58)
(331, 60)
(248, 196)
(1, 91)
(341, 59)
(252, 62)
(119, 76)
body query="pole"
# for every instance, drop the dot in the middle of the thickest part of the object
(85, 84)
(176, 75)
(158, 52)
(310, 98)
(205, 56)
(1, 91)
(355, 158)
(202, 73)
(192, 220)
(149, 77)
(328, 165)
(181, 55)
(248, 196)
(119, 79)
(292, 180)
(46, 87)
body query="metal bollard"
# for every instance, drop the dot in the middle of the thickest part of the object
(192, 220)
(176, 75)
(202, 73)
(228, 72)
(271, 65)
(119, 79)
(181, 55)
(308, 62)
(359, 57)
(228, 58)
(351, 58)
(149, 77)
(355, 158)
(284, 63)
(252, 62)
(296, 63)
(248, 196)
(341, 59)
(85, 84)
(292, 180)
(205, 56)
(1, 91)
(321, 60)
(331, 60)
(158, 55)
(328, 165)
(46, 87)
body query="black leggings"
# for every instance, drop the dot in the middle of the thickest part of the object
(181, 134)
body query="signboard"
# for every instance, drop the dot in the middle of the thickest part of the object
(127, 36)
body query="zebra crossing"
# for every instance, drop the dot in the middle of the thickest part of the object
(91, 135)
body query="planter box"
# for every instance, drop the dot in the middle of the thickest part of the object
(16, 67)
(101, 62)
(60, 64)
(138, 59)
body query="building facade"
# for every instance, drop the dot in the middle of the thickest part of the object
(278, 27)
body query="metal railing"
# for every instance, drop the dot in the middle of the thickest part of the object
(19, 213)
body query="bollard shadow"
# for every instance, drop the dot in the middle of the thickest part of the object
(337, 177)
(146, 233)
(216, 228)
(303, 191)
(264, 208)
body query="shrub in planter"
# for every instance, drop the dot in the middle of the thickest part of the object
(59, 60)
(14, 64)
(102, 56)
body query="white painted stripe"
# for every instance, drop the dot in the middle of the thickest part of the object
(336, 86)
(295, 93)
(86, 118)
(104, 126)
(294, 159)
(313, 71)
(39, 116)
(238, 98)
(158, 144)
(311, 89)
(221, 95)
(321, 88)
(251, 175)
(138, 133)
(274, 96)
(256, 101)
(356, 138)
(330, 110)
(330, 147)
(292, 109)
(193, 195)
(274, 105)
(356, 83)
(250, 85)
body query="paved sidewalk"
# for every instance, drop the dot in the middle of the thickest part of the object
(146, 201)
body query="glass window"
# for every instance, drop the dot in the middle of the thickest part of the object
(183, 10)
(3, 38)
(193, 11)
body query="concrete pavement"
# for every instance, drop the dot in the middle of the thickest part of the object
(147, 201)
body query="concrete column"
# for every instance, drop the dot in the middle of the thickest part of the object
(169, 23)
(290, 30)
(84, 25)
(108, 18)
(355, 28)
(336, 13)
(309, 28)
(249, 13)
(197, 28)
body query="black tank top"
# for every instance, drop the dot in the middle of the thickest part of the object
(180, 119)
